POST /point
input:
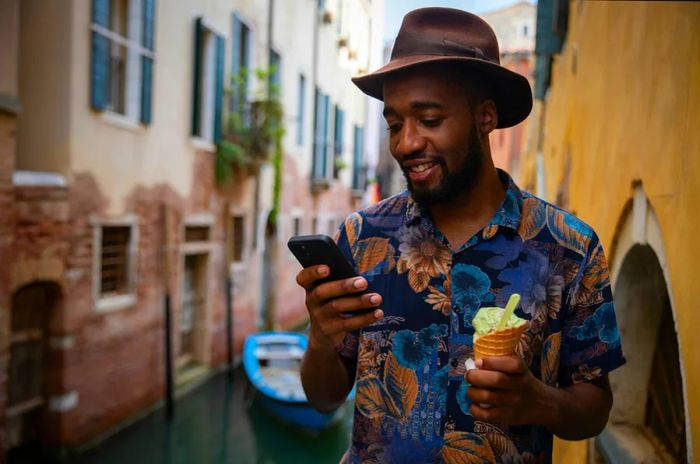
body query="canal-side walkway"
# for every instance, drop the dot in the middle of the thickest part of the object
(212, 425)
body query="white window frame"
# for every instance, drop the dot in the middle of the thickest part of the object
(135, 51)
(110, 303)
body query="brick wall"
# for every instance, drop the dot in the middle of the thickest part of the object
(7, 159)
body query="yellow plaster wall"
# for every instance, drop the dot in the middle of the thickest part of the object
(625, 105)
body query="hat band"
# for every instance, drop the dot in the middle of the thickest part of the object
(440, 47)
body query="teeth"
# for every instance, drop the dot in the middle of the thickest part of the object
(421, 167)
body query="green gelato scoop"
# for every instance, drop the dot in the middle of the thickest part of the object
(487, 319)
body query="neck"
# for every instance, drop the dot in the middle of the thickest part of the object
(466, 214)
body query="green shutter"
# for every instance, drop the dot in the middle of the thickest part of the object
(99, 66)
(147, 62)
(197, 84)
(219, 83)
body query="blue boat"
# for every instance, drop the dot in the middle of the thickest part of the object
(271, 361)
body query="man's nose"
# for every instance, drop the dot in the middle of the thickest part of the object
(409, 140)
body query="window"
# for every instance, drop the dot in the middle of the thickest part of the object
(320, 158)
(357, 167)
(237, 238)
(339, 118)
(275, 78)
(314, 225)
(114, 260)
(296, 226)
(332, 226)
(197, 234)
(526, 31)
(208, 82)
(122, 57)
(300, 109)
(240, 65)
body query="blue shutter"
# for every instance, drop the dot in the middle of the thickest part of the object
(302, 103)
(197, 85)
(99, 68)
(318, 134)
(100, 12)
(357, 159)
(236, 33)
(339, 124)
(147, 62)
(324, 154)
(219, 83)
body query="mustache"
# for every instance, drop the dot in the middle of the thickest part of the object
(431, 157)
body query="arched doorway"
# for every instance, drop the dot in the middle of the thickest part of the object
(648, 419)
(32, 308)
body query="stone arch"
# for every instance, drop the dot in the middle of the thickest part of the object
(643, 292)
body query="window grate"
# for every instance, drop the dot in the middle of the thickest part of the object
(237, 238)
(197, 234)
(114, 259)
(665, 416)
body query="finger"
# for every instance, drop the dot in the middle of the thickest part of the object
(491, 379)
(508, 364)
(349, 304)
(307, 277)
(500, 414)
(492, 397)
(337, 288)
(348, 324)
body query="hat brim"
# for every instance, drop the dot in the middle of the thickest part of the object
(509, 90)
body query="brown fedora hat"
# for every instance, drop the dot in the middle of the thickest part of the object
(433, 35)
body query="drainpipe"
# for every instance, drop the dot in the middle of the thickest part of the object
(167, 313)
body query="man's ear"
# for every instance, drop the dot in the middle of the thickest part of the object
(487, 117)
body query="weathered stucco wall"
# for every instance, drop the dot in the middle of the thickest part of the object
(623, 109)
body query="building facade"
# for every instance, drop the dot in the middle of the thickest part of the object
(118, 235)
(617, 111)
(515, 29)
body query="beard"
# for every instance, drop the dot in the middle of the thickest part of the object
(453, 183)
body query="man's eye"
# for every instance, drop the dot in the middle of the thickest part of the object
(431, 122)
(393, 128)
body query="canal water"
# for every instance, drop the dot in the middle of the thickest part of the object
(214, 424)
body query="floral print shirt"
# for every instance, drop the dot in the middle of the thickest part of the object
(411, 395)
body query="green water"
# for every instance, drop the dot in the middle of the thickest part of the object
(212, 424)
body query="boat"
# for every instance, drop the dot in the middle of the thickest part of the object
(271, 361)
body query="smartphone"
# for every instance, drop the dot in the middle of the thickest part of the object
(312, 250)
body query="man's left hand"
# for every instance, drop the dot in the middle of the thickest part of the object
(512, 395)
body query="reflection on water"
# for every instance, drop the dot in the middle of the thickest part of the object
(213, 425)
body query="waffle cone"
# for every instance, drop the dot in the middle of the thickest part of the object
(498, 343)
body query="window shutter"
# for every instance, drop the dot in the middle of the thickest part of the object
(99, 69)
(357, 161)
(219, 83)
(236, 32)
(326, 140)
(147, 62)
(318, 134)
(197, 65)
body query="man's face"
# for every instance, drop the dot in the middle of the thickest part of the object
(432, 134)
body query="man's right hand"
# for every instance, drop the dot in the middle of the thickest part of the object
(327, 301)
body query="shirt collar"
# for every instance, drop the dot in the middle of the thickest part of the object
(507, 215)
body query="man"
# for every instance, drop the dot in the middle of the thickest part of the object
(463, 237)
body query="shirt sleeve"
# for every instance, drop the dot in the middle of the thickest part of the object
(591, 345)
(346, 238)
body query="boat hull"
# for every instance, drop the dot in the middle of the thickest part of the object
(288, 408)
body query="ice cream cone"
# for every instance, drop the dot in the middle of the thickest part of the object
(498, 343)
